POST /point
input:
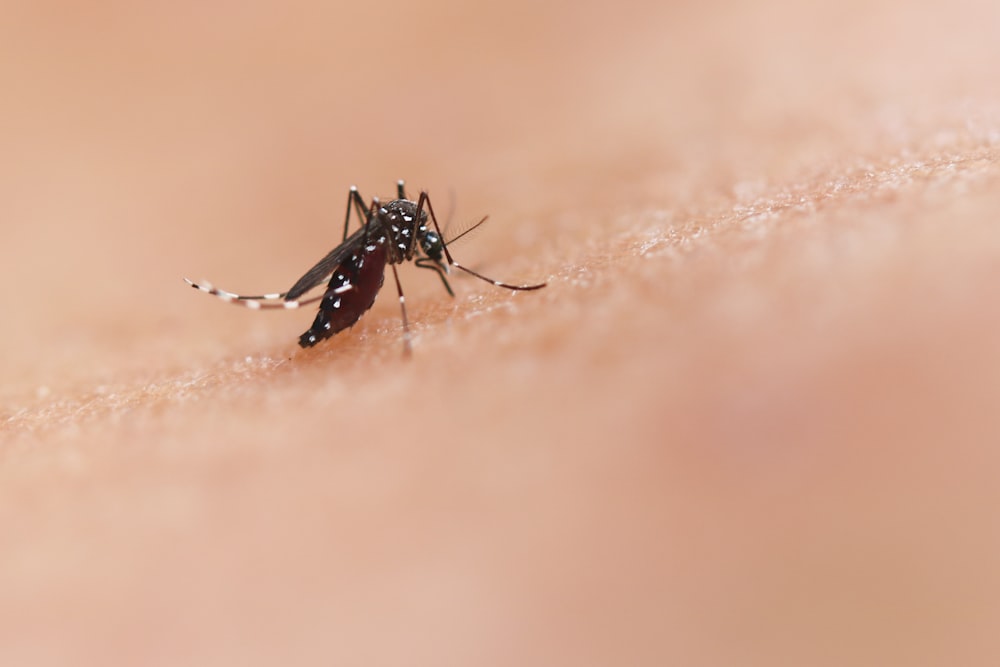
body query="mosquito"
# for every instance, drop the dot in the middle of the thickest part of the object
(354, 271)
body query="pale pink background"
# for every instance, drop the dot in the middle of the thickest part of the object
(751, 420)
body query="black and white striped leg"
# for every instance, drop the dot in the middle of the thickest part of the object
(516, 288)
(425, 200)
(407, 345)
(256, 302)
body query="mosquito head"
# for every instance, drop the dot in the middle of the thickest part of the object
(432, 245)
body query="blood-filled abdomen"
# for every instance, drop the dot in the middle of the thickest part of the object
(352, 290)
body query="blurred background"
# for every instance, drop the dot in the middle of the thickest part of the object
(144, 142)
(751, 420)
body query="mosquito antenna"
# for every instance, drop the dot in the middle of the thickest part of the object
(448, 218)
(468, 230)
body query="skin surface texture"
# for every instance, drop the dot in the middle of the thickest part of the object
(753, 419)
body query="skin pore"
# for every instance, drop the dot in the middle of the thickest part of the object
(750, 419)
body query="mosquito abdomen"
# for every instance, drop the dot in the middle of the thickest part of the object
(351, 293)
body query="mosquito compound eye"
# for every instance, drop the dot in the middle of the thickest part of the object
(432, 246)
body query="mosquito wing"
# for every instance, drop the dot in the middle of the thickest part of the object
(320, 274)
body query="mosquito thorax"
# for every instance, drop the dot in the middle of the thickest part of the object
(401, 218)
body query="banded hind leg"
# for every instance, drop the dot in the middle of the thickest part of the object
(253, 302)
(426, 200)
(261, 301)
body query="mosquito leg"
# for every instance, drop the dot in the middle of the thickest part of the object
(282, 305)
(208, 288)
(353, 197)
(251, 302)
(428, 263)
(366, 223)
(424, 199)
(407, 346)
(401, 189)
(516, 288)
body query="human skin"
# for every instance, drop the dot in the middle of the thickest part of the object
(752, 418)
